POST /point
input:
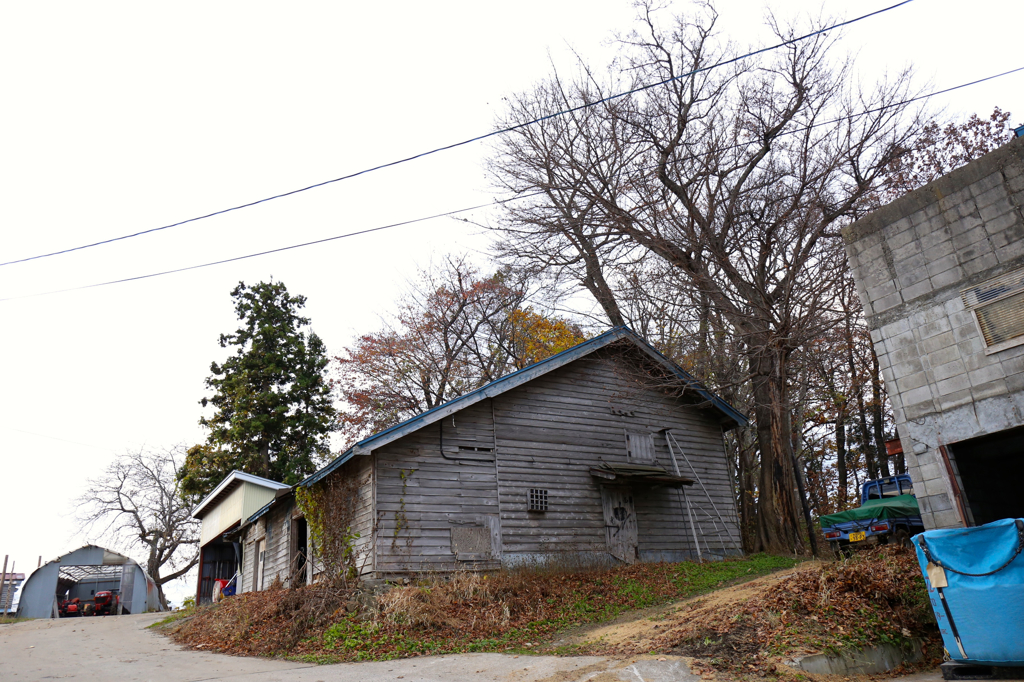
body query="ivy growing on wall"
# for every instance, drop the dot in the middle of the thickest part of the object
(329, 509)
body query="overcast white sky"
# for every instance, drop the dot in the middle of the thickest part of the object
(120, 117)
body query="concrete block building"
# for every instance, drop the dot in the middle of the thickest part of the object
(940, 272)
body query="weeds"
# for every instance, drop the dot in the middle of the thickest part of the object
(509, 611)
(873, 598)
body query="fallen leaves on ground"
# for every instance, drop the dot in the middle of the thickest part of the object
(504, 611)
(873, 598)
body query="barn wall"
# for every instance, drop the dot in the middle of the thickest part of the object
(140, 592)
(553, 429)
(248, 541)
(475, 470)
(430, 482)
(274, 527)
(87, 589)
(362, 469)
(222, 516)
(279, 558)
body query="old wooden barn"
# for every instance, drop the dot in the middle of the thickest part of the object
(607, 452)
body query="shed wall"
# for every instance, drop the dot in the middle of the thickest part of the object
(552, 430)
(423, 492)
(222, 516)
(547, 434)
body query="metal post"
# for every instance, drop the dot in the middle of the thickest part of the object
(3, 579)
(39, 564)
(689, 514)
(693, 529)
(9, 595)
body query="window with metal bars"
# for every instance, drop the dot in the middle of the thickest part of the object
(538, 500)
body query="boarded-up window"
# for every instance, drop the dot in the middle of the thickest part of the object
(471, 543)
(538, 500)
(640, 447)
(998, 306)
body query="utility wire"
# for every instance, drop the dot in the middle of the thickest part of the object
(479, 206)
(454, 145)
(270, 251)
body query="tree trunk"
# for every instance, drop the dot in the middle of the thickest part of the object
(777, 516)
(843, 484)
(265, 459)
(748, 510)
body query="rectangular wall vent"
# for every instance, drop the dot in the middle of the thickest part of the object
(538, 500)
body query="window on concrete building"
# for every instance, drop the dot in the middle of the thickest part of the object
(998, 307)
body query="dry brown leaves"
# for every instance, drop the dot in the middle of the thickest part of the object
(874, 597)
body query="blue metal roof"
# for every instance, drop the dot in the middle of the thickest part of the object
(517, 378)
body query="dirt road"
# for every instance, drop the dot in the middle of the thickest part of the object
(122, 649)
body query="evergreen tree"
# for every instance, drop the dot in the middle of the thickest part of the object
(273, 404)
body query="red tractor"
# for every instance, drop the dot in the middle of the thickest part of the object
(71, 608)
(105, 603)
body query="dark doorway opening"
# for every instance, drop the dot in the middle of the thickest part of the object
(219, 561)
(300, 551)
(991, 469)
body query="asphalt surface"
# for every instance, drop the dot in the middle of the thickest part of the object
(120, 648)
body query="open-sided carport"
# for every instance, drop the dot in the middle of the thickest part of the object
(82, 573)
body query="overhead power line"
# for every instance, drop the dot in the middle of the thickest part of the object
(471, 140)
(269, 251)
(479, 206)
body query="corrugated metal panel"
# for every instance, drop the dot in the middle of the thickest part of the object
(255, 498)
(223, 515)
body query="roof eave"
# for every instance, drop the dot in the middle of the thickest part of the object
(519, 377)
(223, 486)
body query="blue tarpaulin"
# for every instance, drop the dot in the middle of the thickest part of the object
(975, 579)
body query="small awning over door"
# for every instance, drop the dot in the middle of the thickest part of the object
(638, 474)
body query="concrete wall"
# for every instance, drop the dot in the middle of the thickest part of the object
(911, 259)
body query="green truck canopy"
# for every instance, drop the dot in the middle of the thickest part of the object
(886, 508)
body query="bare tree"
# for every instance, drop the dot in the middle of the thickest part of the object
(454, 331)
(137, 504)
(739, 178)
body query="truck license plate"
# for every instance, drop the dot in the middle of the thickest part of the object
(857, 537)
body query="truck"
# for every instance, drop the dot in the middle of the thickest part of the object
(888, 514)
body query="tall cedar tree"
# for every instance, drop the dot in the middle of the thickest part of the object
(274, 411)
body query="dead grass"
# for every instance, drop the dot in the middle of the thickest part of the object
(873, 598)
(506, 611)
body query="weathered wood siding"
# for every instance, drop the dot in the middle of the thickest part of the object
(361, 467)
(275, 528)
(433, 481)
(476, 468)
(279, 526)
(550, 432)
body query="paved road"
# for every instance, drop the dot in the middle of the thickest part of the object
(122, 649)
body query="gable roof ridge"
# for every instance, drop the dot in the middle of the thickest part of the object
(517, 378)
(237, 475)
